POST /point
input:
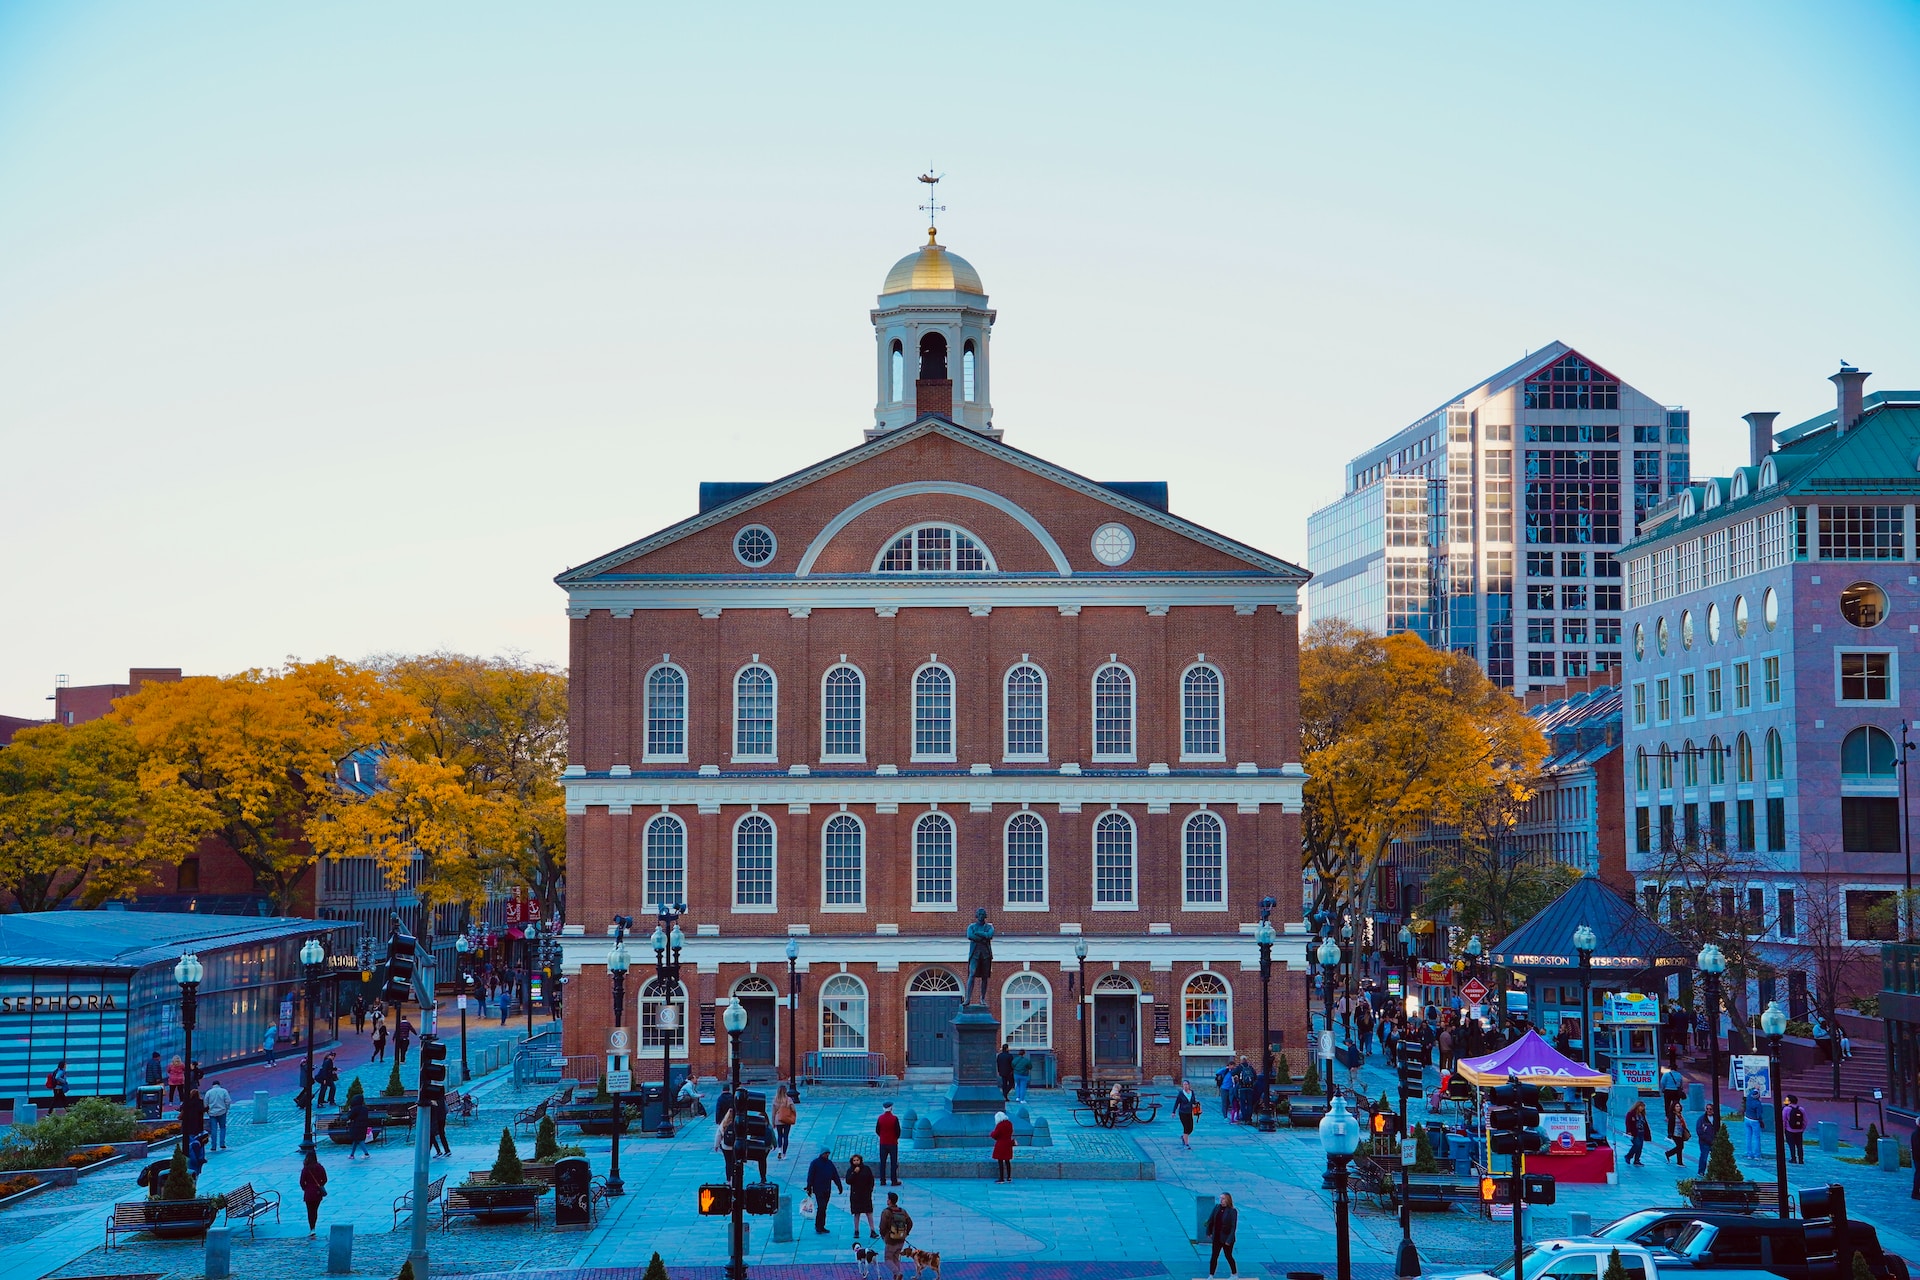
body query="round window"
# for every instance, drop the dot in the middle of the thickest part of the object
(1660, 635)
(1113, 544)
(754, 545)
(1639, 641)
(1740, 616)
(1770, 608)
(1686, 629)
(1713, 623)
(1864, 605)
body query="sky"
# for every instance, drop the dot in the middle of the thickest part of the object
(342, 329)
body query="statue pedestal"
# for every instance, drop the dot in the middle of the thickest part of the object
(976, 1042)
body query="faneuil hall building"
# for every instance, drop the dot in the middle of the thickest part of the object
(930, 674)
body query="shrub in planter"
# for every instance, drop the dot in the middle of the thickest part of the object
(393, 1087)
(1282, 1072)
(507, 1171)
(1423, 1161)
(1283, 1105)
(356, 1088)
(656, 1269)
(1721, 1166)
(1310, 1083)
(179, 1184)
(1873, 1144)
(545, 1143)
(1685, 1187)
(14, 1186)
(564, 1150)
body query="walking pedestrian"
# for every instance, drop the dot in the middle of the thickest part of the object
(176, 1079)
(1002, 1147)
(357, 1123)
(57, 1086)
(1243, 1101)
(313, 1189)
(156, 1069)
(329, 1078)
(1639, 1131)
(359, 1015)
(1678, 1132)
(1753, 1113)
(1186, 1105)
(1705, 1131)
(860, 1196)
(193, 1114)
(1795, 1123)
(219, 1103)
(270, 1044)
(1003, 1065)
(1223, 1080)
(895, 1226)
(437, 1127)
(1222, 1226)
(822, 1180)
(402, 1037)
(196, 1155)
(379, 1042)
(1672, 1084)
(1022, 1073)
(784, 1116)
(887, 1129)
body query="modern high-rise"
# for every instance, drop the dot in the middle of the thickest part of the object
(1489, 525)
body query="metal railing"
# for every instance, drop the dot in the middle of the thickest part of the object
(844, 1068)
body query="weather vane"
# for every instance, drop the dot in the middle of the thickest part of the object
(930, 208)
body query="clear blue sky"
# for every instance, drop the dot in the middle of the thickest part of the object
(336, 329)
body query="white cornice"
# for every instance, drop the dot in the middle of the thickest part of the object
(1226, 951)
(1244, 792)
(1240, 594)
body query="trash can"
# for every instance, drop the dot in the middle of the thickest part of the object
(572, 1183)
(150, 1099)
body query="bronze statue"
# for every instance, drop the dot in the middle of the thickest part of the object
(979, 955)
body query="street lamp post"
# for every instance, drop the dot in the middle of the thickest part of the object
(530, 951)
(1773, 1024)
(1080, 1010)
(314, 957)
(793, 1018)
(1263, 936)
(1713, 964)
(1907, 747)
(1583, 943)
(463, 962)
(735, 1021)
(618, 961)
(1340, 1138)
(667, 941)
(1329, 956)
(188, 972)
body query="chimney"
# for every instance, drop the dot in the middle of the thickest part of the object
(1848, 382)
(1760, 433)
(933, 395)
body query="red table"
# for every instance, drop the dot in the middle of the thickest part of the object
(1593, 1165)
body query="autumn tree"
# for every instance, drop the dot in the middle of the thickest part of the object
(1706, 888)
(70, 815)
(1395, 735)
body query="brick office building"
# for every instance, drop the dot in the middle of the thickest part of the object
(929, 674)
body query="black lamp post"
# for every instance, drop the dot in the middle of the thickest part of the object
(1263, 937)
(1773, 1023)
(1583, 943)
(1080, 1010)
(529, 951)
(1329, 956)
(1712, 963)
(735, 1021)
(188, 972)
(1340, 1138)
(463, 963)
(313, 957)
(618, 962)
(667, 941)
(1907, 747)
(793, 1018)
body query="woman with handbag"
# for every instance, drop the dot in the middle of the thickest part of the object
(1186, 1105)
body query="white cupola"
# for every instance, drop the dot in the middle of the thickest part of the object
(931, 331)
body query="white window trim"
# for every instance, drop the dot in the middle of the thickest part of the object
(1640, 702)
(913, 862)
(683, 1001)
(646, 715)
(1185, 903)
(1046, 713)
(772, 757)
(1221, 677)
(844, 908)
(1669, 682)
(1187, 986)
(1680, 712)
(771, 537)
(1133, 900)
(1707, 689)
(986, 552)
(773, 907)
(859, 757)
(1893, 676)
(685, 856)
(953, 713)
(1867, 785)
(1133, 714)
(1046, 863)
(820, 1015)
(1007, 985)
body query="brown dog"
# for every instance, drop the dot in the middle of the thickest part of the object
(925, 1262)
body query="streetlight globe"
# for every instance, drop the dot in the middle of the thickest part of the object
(793, 948)
(659, 939)
(735, 1018)
(188, 969)
(1774, 1021)
(1329, 953)
(462, 945)
(1712, 960)
(1474, 947)
(1264, 934)
(1339, 1131)
(1079, 948)
(679, 938)
(618, 961)
(1346, 931)
(313, 953)
(1584, 941)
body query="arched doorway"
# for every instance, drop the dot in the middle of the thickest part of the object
(760, 1042)
(1116, 1022)
(933, 998)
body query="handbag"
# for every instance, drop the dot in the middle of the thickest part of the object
(807, 1207)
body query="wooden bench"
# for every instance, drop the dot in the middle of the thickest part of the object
(541, 1173)
(157, 1215)
(456, 1205)
(249, 1206)
(404, 1203)
(1733, 1197)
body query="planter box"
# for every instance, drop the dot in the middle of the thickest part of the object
(503, 1204)
(180, 1219)
(28, 1194)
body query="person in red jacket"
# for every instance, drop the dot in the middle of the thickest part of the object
(887, 1128)
(1002, 1147)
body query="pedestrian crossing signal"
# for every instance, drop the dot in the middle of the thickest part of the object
(716, 1199)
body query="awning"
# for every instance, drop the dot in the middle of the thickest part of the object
(1628, 942)
(1535, 1062)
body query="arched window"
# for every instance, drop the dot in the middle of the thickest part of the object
(933, 863)
(1716, 761)
(934, 982)
(1113, 713)
(1113, 861)
(1205, 874)
(666, 863)
(933, 714)
(1666, 767)
(843, 715)
(753, 985)
(1026, 839)
(897, 368)
(1026, 1011)
(966, 371)
(666, 714)
(934, 548)
(1867, 755)
(1207, 1013)
(653, 997)
(1200, 731)
(1776, 757)
(1640, 773)
(843, 1015)
(753, 714)
(1026, 713)
(843, 864)
(933, 356)
(753, 848)
(1743, 759)
(1690, 765)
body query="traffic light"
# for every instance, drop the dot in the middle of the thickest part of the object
(396, 975)
(1825, 1212)
(1496, 1190)
(1538, 1188)
(433, 1070)
(1385, 1124)
(760, 1197)
(1413, 1069)
(716, 1199)
(1516, 1112)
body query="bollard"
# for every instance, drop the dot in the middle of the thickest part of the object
(1042, 1133)
(1889, 1155)
(219, 1253)
(923, 1133)
(1202, 1210)
(24, 1112)
(1829, 1136)
(783, 1220)
(1579, 1223)
(340, 1249)
(908, 1120)
(260, 1106)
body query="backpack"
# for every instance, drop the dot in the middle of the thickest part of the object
(902, 1225)
(50, 1082)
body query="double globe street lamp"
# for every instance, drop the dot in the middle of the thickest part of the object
(1773, 1024)
(735, 1021)
(1583, 943)
(618, 962)
(793, 1019)
(462, 963)
(667, 941)
(1713, 963)
(1329, 957)
(1080, 1010)
(188, 972)
(313, 957)
(1263, 937)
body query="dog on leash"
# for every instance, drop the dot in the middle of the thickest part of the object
(925, 1262)
(863, 1260)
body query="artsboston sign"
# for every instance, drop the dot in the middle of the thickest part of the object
(93, 1003)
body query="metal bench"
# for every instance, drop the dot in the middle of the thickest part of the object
(1733, 1197)
(456, 1205)
(249, 1206)
(461, 1106)
(404, 1203)
(159, 1215)
(844, 1068)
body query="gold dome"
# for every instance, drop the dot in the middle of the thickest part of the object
(932, 267)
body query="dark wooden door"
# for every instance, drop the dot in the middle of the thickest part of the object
(1114, 1019)
(929, 1030)
(757, 1041)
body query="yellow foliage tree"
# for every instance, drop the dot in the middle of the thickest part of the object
(70, 815)
(1395, 735)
